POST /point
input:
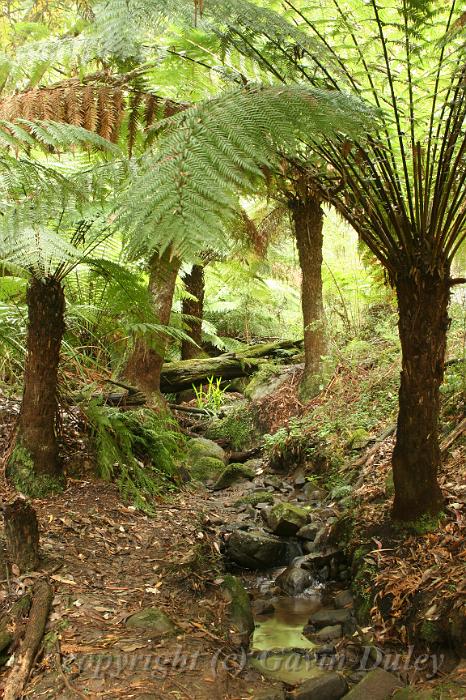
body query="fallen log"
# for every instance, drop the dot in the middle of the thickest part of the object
(41, 602)
(181, 375)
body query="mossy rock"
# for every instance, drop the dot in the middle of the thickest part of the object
(20, 471)
(206, 469)
(201, 447)
(362, 587)
(232, 474)
(237, 427)
(240, 612)
(257, 497)
(265, 381)
(285, 519)
(153, 620)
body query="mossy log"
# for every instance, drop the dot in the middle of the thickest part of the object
(178, 376)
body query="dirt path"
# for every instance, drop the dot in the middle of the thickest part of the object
(110, 561)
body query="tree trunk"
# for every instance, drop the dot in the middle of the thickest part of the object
(308, 219)
(37, 428)
(22, 535)
(423, 324)
(194, 308)
(145, 364)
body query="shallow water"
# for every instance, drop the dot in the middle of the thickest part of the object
(283, 629)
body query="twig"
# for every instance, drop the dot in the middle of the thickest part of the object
(63, 674)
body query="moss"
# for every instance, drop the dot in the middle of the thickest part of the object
(20, 471)
(237, 428)
(266, 372)
(240, 606)
(362, 585)
(430, 632)
(422, 526)
(231, 474)
(206, 468)
(257, 497)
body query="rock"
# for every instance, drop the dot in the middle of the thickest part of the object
(206, 469)
(329, 633)
(330, 686)
(317, 559)
(285, 519)
(269, 694)
(343, 599)
(308, 532)
(153, 620)
(314, 494)
(257, 497)
(201, 447)
(299, 479)
(273, 482)
(265, 383)
(257, 549)
(260, 606)
(254, 464)
(377, 685)
(325, 617)
(240, 611)
(294, 580)
(413, 694)
(232, 474)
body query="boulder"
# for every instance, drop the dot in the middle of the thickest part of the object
(293, 581)
(329, 633)
(343, 599)
(257, 549)
(308, 532)
(325, 617)
(232, 474)
(240, 612)
(206, 469)
(285, 519)
(152, 620)
(377, 685)
(201, 447)
(317, 559)
(329, 686)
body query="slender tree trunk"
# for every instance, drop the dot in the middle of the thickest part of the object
(423, 324)
(37, 428)
(194, 283)
(145, 364)
(308, 219)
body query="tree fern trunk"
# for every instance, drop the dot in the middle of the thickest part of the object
(423, 323)
(37, 428)
(308, 221)
(146, 361)
(194, 283)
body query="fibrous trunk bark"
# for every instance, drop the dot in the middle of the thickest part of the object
(423, 324)
(193, 308)
(22, 534)
(308, 219)
(37, 428)
(145, 364)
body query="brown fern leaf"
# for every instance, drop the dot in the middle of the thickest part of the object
(89, 109)
(118, 111)
(73, 106)
(105, 112)
(150, 111)
(133, 119)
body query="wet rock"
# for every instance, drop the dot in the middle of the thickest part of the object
(233, 474)
(317, 559)
(377, 685)
(201, 447)
(293, 581)
(325, 617)
(308, 532)
(240, 611)
(261, 606)
(329, 686)
(285, 519)
(257, 549)
(329, 633)
(153, 620)
(343, 599)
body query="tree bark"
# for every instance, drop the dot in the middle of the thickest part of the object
(145, 363)
(308, 220)
(423, 324)
(194, 308)
(37, 428)
(22, 534)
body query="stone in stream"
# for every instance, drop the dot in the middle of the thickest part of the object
(325, 617)
(377, 685)
(317, 559)
(232, 475)
(257, 549)
(308, 532)
(285, 519)
(330, 686)
(152, 620)
(293, 581)
(261, 606)
(343, 599)
(329, 633)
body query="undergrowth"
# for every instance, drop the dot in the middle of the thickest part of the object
(139, 450)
